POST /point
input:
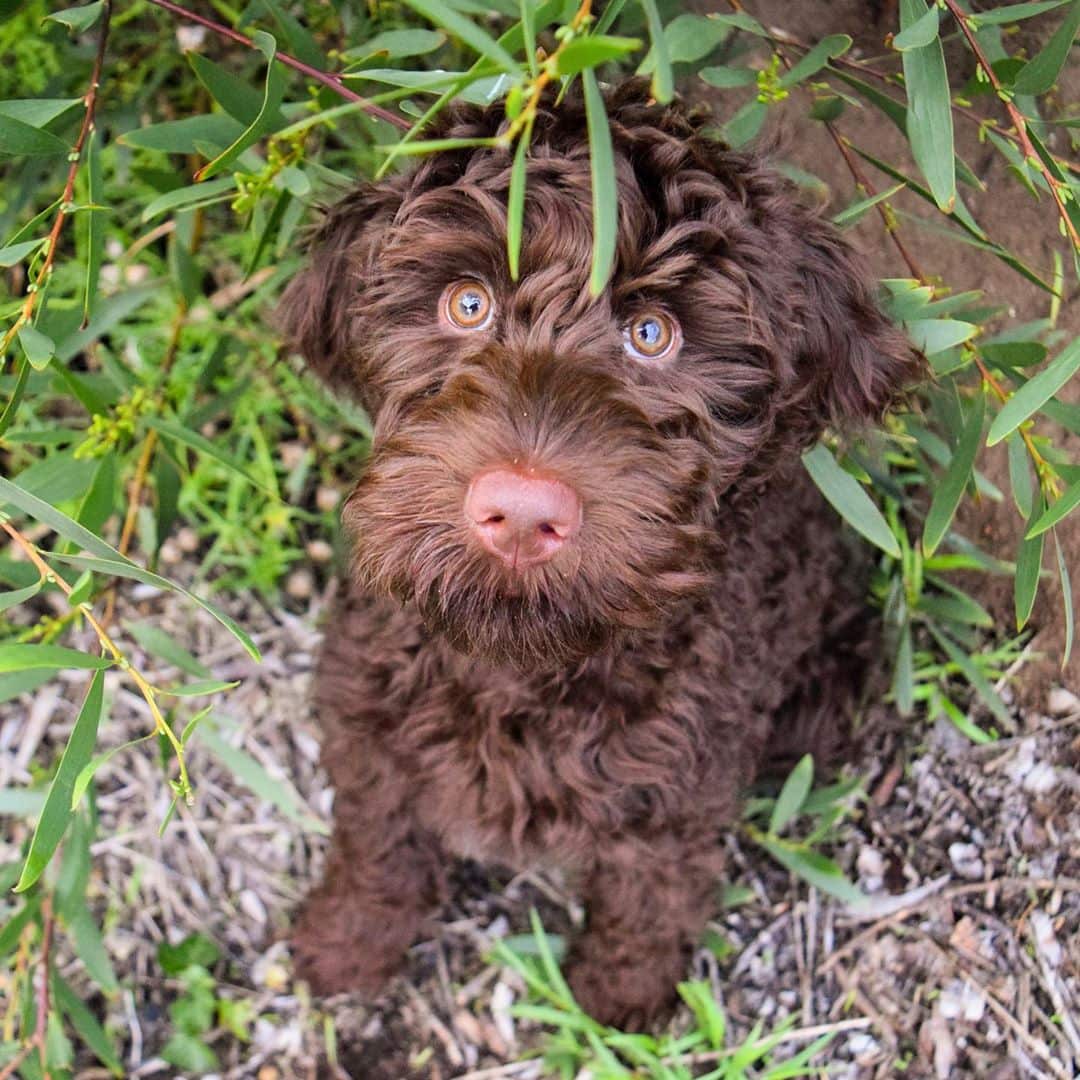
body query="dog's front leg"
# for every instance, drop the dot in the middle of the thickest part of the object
(647, 904)
(383, 878)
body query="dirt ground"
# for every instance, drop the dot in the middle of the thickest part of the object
(966, 963)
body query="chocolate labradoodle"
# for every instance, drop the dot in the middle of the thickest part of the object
(593, 588)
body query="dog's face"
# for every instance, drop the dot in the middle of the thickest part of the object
(549, 469)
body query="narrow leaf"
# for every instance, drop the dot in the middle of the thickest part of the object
(54, 657)
(515, 202)
(792, 794)
(929, 109)
(951, 488)
(1066, 599)
(53, 822)
(604, 196)
(663, 81)
(1041, 72)
(79, 19)
(477, 38)
(814, 868)
(849, 499)
(1035, 392)
(1028, 568)
(921, 32)
(38, 347)
(972, 673)
(1061, 506)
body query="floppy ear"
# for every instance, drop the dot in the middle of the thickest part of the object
(318, 308)
(855, 361)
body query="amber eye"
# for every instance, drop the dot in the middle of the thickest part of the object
(652, 336)
(467, 305)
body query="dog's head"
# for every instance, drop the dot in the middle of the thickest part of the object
(549, 469)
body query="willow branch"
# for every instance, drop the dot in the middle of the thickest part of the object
(1018, 119)
(326, 78)
(90, 101)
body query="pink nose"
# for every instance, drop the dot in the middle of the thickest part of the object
(522, 519)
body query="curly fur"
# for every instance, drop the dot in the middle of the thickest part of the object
(602, 711)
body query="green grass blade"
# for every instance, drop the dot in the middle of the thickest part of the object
(604, 194)
(478, 39)
(515, 202)
(663, 81)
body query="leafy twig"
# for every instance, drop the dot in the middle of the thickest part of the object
(1018, 120)
(147, 691)
(327, 78)
(75, 157)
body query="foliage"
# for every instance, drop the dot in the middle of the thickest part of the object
(157, 175)
(579, 1044)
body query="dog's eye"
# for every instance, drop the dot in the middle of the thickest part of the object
(652, 336)
(467, 305)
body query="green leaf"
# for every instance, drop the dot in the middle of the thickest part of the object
(929, 110)
(1014, 12)
(86, 1026)
(15, 253)
(921, 32)
(1035, 392)
(235, 95)
(196, 950)
(1023, 489)
(515, 202)
(395, 44)
(849, 499)
(37, 112)
(79, 19)
(663, 81)
(689, 38)
(202, 688)
(16, 683)
(127, 569)
(727, 78)
(792, 794)
(95, 233)
(203, 445)
(1061, 506)
(53, 822)
(825, 50)
(741, 21)
(850, 214)
(191, 196)
(950, 490)
(53, 657)
(1028, 568)
(745, 124)
(189, 1054)
(478, 39)
(903, 681)
(592, 51)
(1066, 599)
(815, 868)
(1040, 73)
(605, 205)
(548, 962)
(273, 92)
(109, 560)
(710, 1017)
(1013, 353)
(971, 672)
(18, 596)
(184, 136)
(38, 347)
(275, 790)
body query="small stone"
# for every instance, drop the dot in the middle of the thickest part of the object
(170, 553)
(319, 551)
(1043, 778)
(966, 861)
(300, 584)
(1062, 702)
(187, 539)
(326, 498)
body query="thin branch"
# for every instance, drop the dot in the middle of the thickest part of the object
(90, 100)
(1018, 119)
(327, 78)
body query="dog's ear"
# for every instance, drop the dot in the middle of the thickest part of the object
(853, 360)
(317, 310)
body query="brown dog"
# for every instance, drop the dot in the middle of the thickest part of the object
(592, 582)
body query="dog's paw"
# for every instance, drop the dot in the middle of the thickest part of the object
(630, 998)
(335, 950)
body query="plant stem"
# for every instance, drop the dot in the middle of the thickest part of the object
(327, 78)
(161, 725)
(62, 213)
(1018, 119)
